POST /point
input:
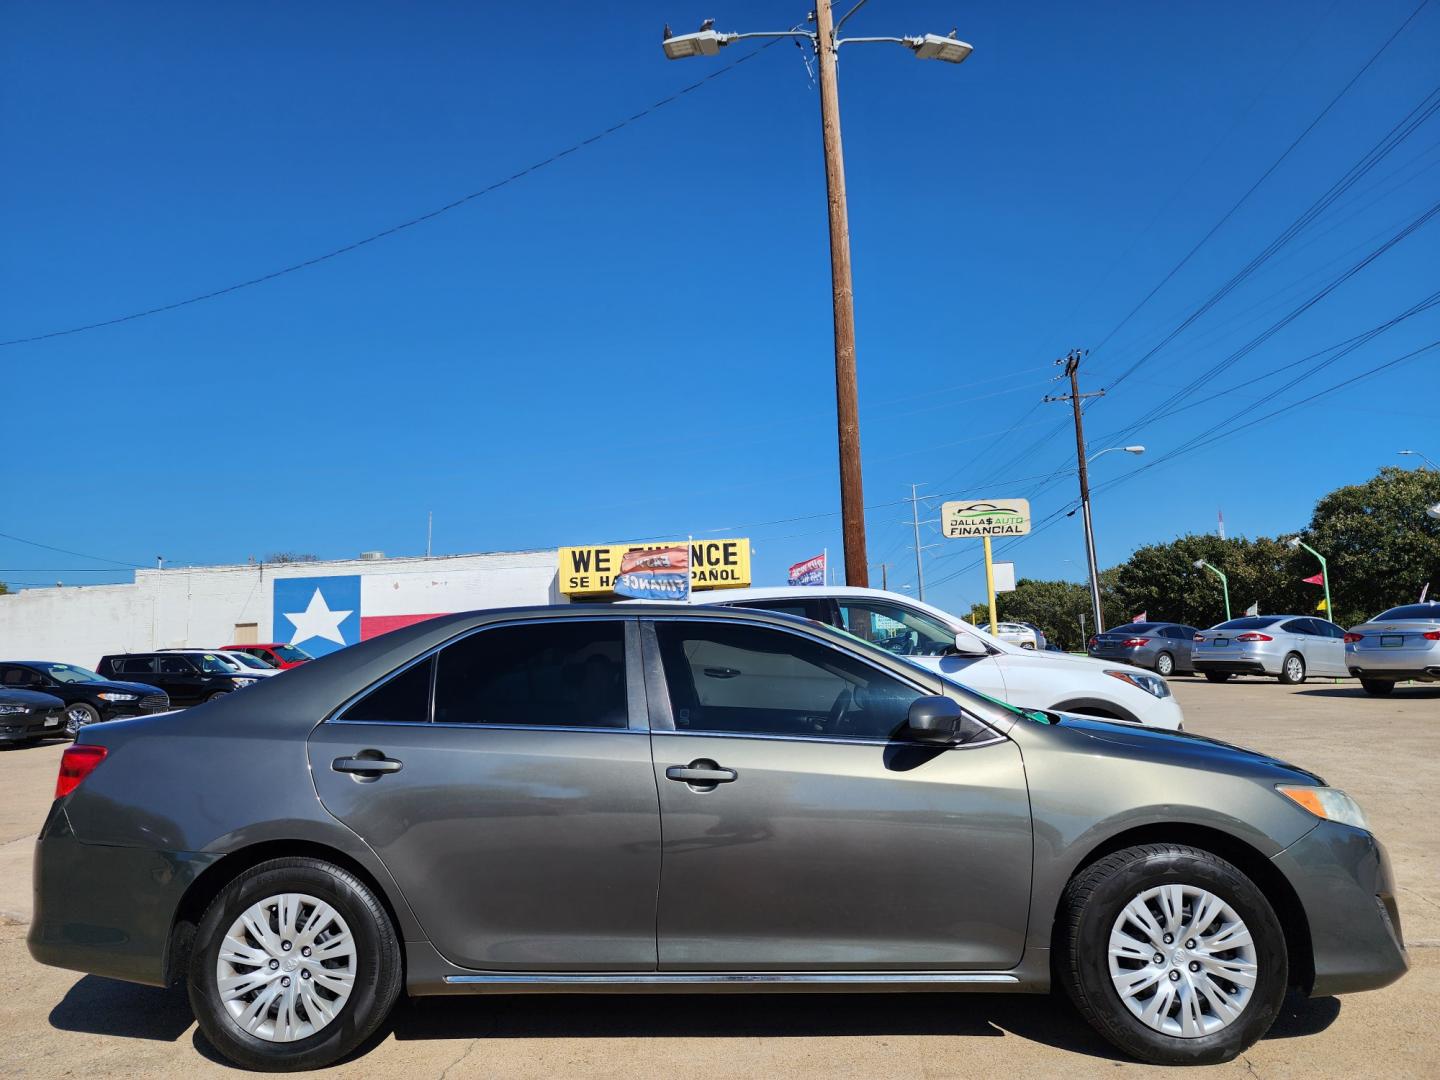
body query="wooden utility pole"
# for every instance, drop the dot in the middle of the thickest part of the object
(1072, 370)
(847, 409)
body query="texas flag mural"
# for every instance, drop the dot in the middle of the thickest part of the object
(322, 614)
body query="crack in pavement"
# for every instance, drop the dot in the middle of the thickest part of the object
(1422, 896)
(1249, 1065)
(469, 1049)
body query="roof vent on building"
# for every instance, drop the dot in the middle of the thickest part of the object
(372, 556)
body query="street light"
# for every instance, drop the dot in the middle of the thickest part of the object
(1416, 453)
(1090, 528)
(1109, 449)
(1295, 542)
(826, 42)
(1224, 582)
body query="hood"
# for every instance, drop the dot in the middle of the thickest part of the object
(143, 689)
(32, 698)
(1177, 747)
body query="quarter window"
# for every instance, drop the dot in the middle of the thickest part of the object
(759, 681)
(404, 699)
(559, 673)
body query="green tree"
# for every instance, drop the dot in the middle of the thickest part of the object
(1381, 546)
(1054, 606)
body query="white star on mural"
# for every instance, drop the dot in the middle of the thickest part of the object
(317, 620)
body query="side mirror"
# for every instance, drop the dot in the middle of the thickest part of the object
(965, 645)
(933, 719)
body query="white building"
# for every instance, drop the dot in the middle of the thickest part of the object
(319, 606)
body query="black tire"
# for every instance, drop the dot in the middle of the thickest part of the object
(1165, 664)
(378, 966)
(217, 695)
(1217, 676)
(1094, 900)
(1027, 645)
(1378, 687)
(79, 715)
(1292, 674)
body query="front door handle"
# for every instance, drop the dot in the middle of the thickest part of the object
(700, 772)
(367, 766)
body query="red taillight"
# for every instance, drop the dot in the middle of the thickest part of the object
(1133, 643)
(76, 764)
(1431, 635)
(1094, 642)
(1350, 639)
(1199, 637)
(1254, 637)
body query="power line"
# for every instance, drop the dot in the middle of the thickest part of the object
(67, 551)
(402, 226)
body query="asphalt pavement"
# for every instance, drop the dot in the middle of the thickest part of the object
(1386, 753)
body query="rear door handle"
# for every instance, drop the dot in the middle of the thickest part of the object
(367, 766)
(698, 772)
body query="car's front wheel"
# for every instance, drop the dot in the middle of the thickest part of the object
(294, 965)
(1172, 954)
(80, 715)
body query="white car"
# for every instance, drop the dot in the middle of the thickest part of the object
(937, 640)
(1018, 633)
(250, 665)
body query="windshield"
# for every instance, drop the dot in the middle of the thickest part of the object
(1428, 612)
(246, 660)
(896, 629)
(218, 665)
(291, 653)
(1250, 622)
(68, 673)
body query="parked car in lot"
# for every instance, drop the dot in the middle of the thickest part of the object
(1401, 643)
(483, 803)
(188, 678)
(1162, 647)
(249, 665)
(1026, 635)
(27, 716)
(275, 653)
(1286, 647)
(937, 640)
(88, 697)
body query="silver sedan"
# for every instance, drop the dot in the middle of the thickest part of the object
(1285, 647)
(1402, 643)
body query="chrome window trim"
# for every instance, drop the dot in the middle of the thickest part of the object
(432, 725)
(842, 740)
(636, 722)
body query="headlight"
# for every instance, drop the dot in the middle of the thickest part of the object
(11, 710)
(1151, 684)
(1329, 803)
(245, 682)
(112, 695)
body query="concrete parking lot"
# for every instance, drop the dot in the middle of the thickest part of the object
(1384, 752)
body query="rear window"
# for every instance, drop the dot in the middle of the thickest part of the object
(1429, 612)
(1250, 622)
(1135, 627)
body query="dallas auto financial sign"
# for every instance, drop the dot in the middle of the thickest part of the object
(985, 517)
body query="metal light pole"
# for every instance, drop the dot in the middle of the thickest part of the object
(1295, 542)
(826, 42)
(1224, 582)
(1416, 453)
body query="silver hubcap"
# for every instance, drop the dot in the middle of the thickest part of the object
(1182, 961)
(1293, 668)
(75, 719)
(1163, 665)
(286, 967)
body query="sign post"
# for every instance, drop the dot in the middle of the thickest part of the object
(985, 518)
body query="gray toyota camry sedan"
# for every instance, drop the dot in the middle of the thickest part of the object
(570, 799)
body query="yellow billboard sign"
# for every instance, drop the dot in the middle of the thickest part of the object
(714, 564)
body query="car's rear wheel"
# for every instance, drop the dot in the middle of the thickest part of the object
(1377, 687)
(80, 715)
(295, 964)
(1217, 676)
(1172, 954)
(1292, 669)
(1164, 664)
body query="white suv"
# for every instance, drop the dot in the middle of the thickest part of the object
(937, 640)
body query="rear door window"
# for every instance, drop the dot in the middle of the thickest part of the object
(401, 699)
(136, 665)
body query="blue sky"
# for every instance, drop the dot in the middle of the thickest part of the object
(635, 341)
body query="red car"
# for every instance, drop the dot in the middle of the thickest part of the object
(274, 653)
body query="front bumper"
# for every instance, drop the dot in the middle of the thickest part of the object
(22, 727)
(1344, 881)
(104, 909)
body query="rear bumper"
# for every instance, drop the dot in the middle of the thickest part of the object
(103, 909)
(1234, 665)
(1343, 878)
(1394, 663)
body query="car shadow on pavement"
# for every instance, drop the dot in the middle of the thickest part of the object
(1420, 692)
(100, 1006)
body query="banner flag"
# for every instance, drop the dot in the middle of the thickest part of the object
(1142, 617)
(1253, 609)
(1322, 606)
(1318, 579)
(657, 574)
(808, 572)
